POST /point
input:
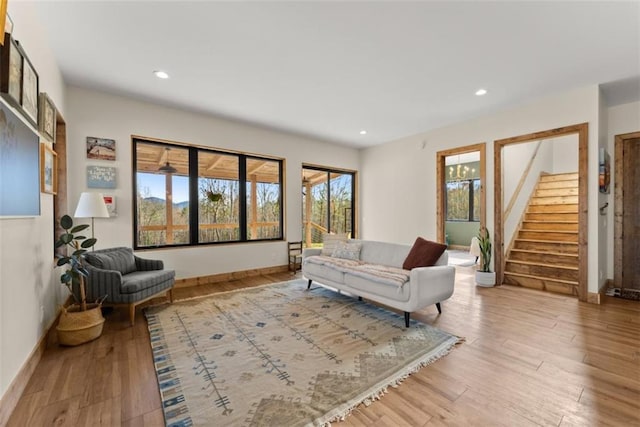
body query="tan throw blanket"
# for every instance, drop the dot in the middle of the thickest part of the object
(378, 273)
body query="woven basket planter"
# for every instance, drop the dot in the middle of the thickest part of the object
(78, 327)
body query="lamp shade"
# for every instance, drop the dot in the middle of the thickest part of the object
(91, 205)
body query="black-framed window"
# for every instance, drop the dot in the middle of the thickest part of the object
(187, 195)
(328, 203)
(463, 200)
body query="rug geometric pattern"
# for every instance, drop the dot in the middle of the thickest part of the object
(281, 355)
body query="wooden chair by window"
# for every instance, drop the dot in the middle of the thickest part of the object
(295, 256)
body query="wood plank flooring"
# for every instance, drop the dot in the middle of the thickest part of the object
(530, 358)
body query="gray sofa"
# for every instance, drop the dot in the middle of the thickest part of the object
(122, 278)
(423, 286)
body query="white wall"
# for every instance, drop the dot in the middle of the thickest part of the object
(515, 159)
(621, 119)
(29, 289)
(398, 189)
(98, 114)
(565, 154)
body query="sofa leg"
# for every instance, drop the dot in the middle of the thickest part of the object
(132, 314)
(359, 298)
(407, 317)
(439, 308)
(309, 285)
(171, 296)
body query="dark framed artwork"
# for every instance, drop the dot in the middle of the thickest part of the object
(47, 119)
(29, 102)
(11, 71)
(18, 79)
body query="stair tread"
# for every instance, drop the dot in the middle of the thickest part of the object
(531, 251)
(541, 221)
(539, 264)
(545, 241)
(550, 231)
(555, 212)
(530, 276)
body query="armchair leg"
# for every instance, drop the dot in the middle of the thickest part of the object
(407, 317)
(439, 308)
(132, 313)
(309, 285)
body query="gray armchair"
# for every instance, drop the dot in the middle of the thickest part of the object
(122, 278)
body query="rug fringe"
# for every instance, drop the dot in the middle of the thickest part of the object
(394, 382)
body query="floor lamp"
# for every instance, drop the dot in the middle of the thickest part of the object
(91, 205)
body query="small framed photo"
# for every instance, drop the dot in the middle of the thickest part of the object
(29, 90)
(48, 170)
(101, 148)
(47, 120)
(101, 177)
(11, 71)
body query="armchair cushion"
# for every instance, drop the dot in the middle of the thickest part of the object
(118, 259)
(140, 280)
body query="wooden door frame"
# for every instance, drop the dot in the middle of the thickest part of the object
(583, 220)
(618, 207)
(440, 184)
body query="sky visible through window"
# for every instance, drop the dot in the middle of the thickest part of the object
(153, 185)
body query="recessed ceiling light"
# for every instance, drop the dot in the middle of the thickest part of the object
(481, 92)
(161, 74)
(363, 132)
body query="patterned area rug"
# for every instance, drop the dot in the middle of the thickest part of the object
(280, 355)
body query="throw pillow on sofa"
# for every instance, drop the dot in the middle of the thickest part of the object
(346, 250)
(424, 253)
(329, 242)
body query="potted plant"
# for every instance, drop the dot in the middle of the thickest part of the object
(484, 276)
(80, 322)
(213, 197)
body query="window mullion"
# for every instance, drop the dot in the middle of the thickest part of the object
(194, 205)
(242, 179)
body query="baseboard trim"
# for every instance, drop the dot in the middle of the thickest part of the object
(11, 397)
(593, 297)
(227, 277)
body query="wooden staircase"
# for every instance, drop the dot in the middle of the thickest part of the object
(544, 253)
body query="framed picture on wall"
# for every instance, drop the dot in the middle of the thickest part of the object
(30, 92)
(47, 119)
(11, 72)
(101, 177)
(48, 170)
(101, 148)
(3, 17)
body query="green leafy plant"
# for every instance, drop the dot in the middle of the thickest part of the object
(75, 274)
(484, 241)
(213, 197)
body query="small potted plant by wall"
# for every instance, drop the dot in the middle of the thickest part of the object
(484, 276)
(80, 322)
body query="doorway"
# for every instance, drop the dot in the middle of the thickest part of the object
(455, 184)
(627, 211)
(499, 212)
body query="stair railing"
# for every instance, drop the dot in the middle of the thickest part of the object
(523, 178)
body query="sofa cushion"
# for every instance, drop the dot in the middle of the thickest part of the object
(386, 290)
(346, 250)
(325, 271)
(424, 253)
(329, 242)
(120, 259)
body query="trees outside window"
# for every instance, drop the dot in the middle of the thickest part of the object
(190, 195)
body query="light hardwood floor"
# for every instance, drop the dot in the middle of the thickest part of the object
(530, 358)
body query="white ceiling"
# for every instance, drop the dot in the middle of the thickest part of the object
(329, 69)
